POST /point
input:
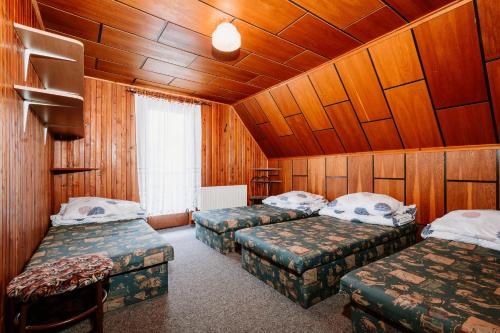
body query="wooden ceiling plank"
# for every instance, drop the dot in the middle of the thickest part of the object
(274, 115)
(165, 68)
(89, 62)
(235, 86)
(361, 83)
(115, 68)
(219, 69)
(317, 36)
(149, 84)
(329, 141)
(493, 68)
(255, 111)
(306, 61)
(306, 138)
(206, 89)
(450, 54)
(264, 81)
(261, 65)
(309, 103)
(114, 14)
(382, 135)
(396, 60)
(489, 18)
(285, 101)
(376, 24)
(414, 116)
(107, 76)
(291, 146)
(327, 83)
(346, 124)
(412, 10)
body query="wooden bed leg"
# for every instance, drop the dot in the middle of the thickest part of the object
(99, 313)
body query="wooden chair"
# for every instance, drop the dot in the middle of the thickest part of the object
(60, 284)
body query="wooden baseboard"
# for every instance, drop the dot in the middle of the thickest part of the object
(169, 221)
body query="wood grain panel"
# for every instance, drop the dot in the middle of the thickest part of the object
(264, 66)
(135, 44)
(412, 10)
(186, 13)
(299, 167)
(493, 68)
(449, 49)
(360, 174)
(340, 13)
(302, 131)
(218, 68)
(336, 166)
(309, 103)
(470, 196)
(235, 86)
(264, 81)
(306, 60)
(396, 60)
(391, 187)
(467, 125)
(327, 83)
(25, 161)
(318, 36)
(389, 165)
(271, 15)
(67, 23)
(425, 185)
(348, 128)
(114, 14)
(208, 90)
(299, 183)
(133, 72)
(329, 141)
(161, 67)
(108, 76)
(291, 146)
(89, 62)
(274, 115)
(149, 84)
(286, 174)
(285, 101)
(335, 187)
(111, 54)
(376, 24)
(273, 139)
(316, 176)
(463, 165)
(382, 135)
(265, 44)
(191, 41)
(255, 111)
(489, 16)
(363, 88)
(411, 102)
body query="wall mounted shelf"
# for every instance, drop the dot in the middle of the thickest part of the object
(70, 170)
(58, 62)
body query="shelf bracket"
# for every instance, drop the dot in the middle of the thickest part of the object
(26, 108)
(44, 135)
(41, 54)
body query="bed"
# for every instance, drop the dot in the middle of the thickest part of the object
(140, 256)
(436, 286)
(305, 259)
(216, 228)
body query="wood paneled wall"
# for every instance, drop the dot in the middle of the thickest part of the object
(436, 181)
(228, 151)
(432, 84)
(25, 187)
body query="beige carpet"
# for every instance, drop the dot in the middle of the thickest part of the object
(210, 292)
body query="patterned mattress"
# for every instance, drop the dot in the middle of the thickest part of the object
(305, 259)
(140, 256)
(434, 286)
(232, 219)
(308, 243)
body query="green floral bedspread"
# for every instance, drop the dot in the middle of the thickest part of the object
(434, 286)
(231, 219)
(130, 244)
(307, 243)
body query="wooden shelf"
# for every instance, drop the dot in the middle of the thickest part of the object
(266, 181)
(57, 60)
(70, 170)
(267, 169)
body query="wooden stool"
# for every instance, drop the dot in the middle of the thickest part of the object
(70, 278)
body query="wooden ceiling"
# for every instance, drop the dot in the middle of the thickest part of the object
(436, 84)
(166, 43)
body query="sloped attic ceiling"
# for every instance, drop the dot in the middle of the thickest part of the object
(166, 43)
(434, 84)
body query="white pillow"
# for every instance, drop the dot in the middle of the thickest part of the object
(95, 207)
(366, 203)
(460, 225)
(298, 197)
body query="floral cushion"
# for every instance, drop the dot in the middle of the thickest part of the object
(59, 276)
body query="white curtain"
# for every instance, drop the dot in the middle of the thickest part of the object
(168, 154)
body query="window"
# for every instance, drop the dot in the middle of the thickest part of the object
(168, 135)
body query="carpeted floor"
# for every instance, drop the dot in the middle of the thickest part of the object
(210, 292)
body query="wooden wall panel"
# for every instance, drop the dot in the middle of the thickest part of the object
(348, 128)
(336, 166)
(299, 167)
(382, 135)
(463, 165)
(449, 49)
(302, 131)
(335, 187)
(392, 187)
(299, 183)
(316, 176)
(285, 101)
(489, 16)
(493, 69)
(273, 114)
(470, 195)
(327, 83)
(360, 177)
(25, 160)
(389, 166)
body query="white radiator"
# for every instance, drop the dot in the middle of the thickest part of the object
(215, 197)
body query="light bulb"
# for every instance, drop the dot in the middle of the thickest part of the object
(226, 38)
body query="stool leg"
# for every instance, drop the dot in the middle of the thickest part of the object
(99, 314)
